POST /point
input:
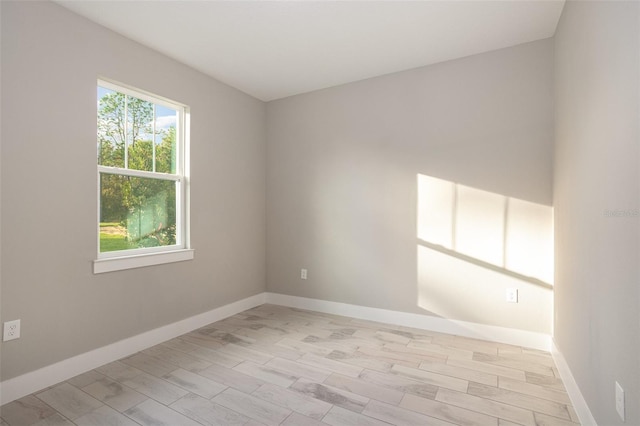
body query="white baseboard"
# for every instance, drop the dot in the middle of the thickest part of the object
(461, 328)
(577, 400)
(28, 383)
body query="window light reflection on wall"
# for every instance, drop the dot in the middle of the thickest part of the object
(513, 234)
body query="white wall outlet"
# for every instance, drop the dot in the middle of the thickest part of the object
(11, 330)
(303, 274)
(620, 400)
(512, 295)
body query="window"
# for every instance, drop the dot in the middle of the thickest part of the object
(142, 179)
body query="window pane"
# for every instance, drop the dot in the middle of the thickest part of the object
(136, 212)
(111, 129)
(139, 134)
(165, 139)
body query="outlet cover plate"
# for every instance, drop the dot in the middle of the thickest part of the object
(11, 330)
(512, 295)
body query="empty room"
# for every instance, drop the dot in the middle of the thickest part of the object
(319, 213)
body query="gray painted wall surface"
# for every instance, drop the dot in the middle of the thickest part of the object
(51, 59)
(596, 169)
(342, 167)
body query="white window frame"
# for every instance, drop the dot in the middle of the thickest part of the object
(141, 257)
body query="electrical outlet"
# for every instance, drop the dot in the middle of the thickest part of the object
(512, 295)
(620, 400)
(11, 330)
(303, 274)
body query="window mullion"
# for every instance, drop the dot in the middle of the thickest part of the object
(126, 131)
(138, 173)
(153, 139)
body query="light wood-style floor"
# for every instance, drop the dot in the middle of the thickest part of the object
(273, 365)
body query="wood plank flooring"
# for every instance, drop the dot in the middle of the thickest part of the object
(273, 365)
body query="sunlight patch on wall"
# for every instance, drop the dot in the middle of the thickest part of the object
(479, 224)
(436, 201)
(506, 232)
(529, 240)
(454, 288)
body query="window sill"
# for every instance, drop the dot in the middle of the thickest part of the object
(141, 260)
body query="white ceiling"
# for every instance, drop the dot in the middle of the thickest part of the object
(277, 49)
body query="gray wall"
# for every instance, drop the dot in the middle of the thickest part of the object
(51, 59)
(341, 188)
(596, 169)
